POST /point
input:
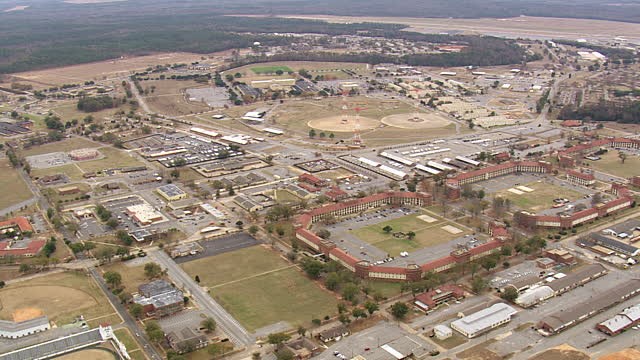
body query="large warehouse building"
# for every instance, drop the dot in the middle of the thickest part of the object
(484, 320)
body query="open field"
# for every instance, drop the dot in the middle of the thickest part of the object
(384, 288)
(113, 158)
(14, 189)
(523, 26)
(132, 276)
(259, 288)
(311, 66)
(169, 98)
(283, 196)
(104, 69)
(270, 69)
(57, 197)
(62, 297)
(233, 266)
(327, 116)
(71, 170)
(427, 234)
(541, 198)
(94, 354)
(70, 111)
(130, 343)
(562, 352)
(334, 174)
(450, 343)
(61, 146)
(611, 164)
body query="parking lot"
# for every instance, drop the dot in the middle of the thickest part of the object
(49, 160)
(221, 245)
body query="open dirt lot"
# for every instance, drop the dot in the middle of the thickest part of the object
(94, 354)
(338, 124)
(260, 288)
(562, 352)
(61, 297)
(416, 121)
(523, 26)
(14, 189)
(626, 354)
(104, 69)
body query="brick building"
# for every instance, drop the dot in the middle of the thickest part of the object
(581, 178)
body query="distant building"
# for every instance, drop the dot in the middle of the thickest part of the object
(484, 320)
(159, 298)
(83, 154)
(68, 190)
(14, 330)
(171, 192)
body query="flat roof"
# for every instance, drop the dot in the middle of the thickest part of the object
(485, 318)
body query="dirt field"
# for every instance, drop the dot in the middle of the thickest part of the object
(94, 354)
(14, 189)
(168, 97)
(523, 26)
(340, 124)
(562, 352)
(26, 313)
(104, 69)
(61, 297)
(626, 354)
(416, 121)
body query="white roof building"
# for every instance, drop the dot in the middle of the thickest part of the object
(442, 332)
(484, 320)
(535, 295)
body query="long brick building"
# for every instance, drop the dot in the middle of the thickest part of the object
(490, 172)
(365, 269)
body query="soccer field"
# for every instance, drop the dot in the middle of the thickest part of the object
(427, 233)
(260, 288)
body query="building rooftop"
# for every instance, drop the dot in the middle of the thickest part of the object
(10, 326)
(171, 190)
(484, 319)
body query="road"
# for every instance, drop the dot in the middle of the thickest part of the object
(139, 98)
(236, 332)
(124, 314)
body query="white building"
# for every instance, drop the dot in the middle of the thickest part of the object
(14, 330)
(442, 332)
(484, 320)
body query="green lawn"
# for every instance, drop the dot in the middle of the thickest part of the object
(384, 288)
(232, 266)
(113, 158)
(260, 288)
(270, 69)
(61, 146)
(427, 234)
(71, 170)
(284, 295)
(14, 189)
(542, 196)
(611, 164)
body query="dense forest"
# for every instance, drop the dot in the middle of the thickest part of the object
(623, 112)
(52, 33)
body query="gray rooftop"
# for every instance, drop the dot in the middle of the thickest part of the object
(578, 276)
(48, 349)
(10, 326)
(171, 190)
(483, 319)
(614, 244)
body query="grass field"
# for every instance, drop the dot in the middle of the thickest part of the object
(56, 196)
(70, 111)
(611, 164)
(132, 276)
(541, 198)
(270, 69)
(113, 158)
(130, 343)
(61, 146)
(62, 297)
(334, 174)
(71, 170)
(14, 189)
(427, 234)
(384, 288)
(283, 196)
(168, 97)
(259, 288)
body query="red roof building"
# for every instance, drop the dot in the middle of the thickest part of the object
(21, 222)
(571, 123)
(336, 194)
(580, 178)
(312, 180)
(430, 300)
(26, 248)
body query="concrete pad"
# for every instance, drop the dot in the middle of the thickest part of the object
(524, 188)
(451, 229)
(515, 191)
(427, 218)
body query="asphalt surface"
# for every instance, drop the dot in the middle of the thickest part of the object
(128, 320)
(236, 332)
(221, 245)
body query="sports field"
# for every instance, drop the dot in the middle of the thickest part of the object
(270, 69)
(14, 189)
(61, 297)
(428, 233)
(610, 163)
(259, 288)
(541, 197)
(94, 354)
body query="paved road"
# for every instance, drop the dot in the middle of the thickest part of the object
(128, 320)
(236, 332)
